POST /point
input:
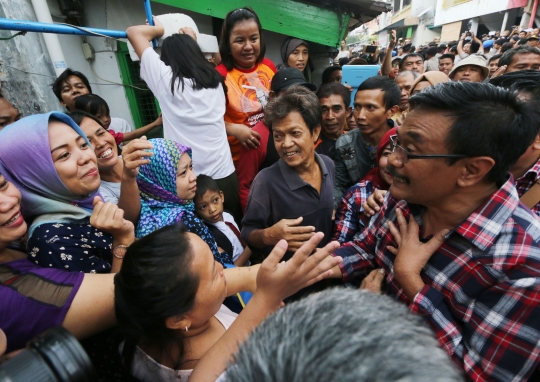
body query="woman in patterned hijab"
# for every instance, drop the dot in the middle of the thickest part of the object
(167, 185)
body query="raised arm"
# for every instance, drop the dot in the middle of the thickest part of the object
(140, 36)
(141, 131)
(386, 67)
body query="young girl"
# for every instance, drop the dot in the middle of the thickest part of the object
(55, 169)
(98, 107)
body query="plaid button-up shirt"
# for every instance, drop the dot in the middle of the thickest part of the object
(528, 180)
(350, 218)
(482, 286)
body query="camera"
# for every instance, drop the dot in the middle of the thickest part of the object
(53, 356)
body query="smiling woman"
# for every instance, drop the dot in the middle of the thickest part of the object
(247, 76)
(56, 170)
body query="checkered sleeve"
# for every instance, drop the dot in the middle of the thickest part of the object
(348, 221)
(501, 339)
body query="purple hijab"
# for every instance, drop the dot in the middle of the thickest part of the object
(26, 161)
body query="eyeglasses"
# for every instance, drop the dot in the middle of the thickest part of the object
(405, 156)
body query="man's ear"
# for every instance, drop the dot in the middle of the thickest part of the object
(474, 170)
(390, 112)
(349, 111)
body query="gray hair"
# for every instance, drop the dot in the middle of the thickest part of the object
(342, 335)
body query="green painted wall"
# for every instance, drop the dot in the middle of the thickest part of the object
(287, 17)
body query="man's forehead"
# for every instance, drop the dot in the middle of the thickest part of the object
(526, 57)
(425, 124)
(369, 96)
(413, 59)
(72, 80)
(332, 101)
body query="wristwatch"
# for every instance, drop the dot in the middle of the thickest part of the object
(119, 251)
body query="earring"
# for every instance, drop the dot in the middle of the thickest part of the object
(186, 328)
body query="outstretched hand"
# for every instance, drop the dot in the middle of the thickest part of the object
(278, 280)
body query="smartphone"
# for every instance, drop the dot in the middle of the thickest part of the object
(370, 49)
(354, 75)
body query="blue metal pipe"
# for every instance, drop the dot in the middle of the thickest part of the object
(150, 18)
(34, 26)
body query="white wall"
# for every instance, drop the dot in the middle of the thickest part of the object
(468, 10)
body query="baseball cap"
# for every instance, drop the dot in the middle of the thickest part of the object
(287, 77)
(533, 37)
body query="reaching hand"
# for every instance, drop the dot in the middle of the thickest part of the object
(135, 154)
(499, 72)
(109, 218)
(290, 231)
(372, 205)
(278, 280)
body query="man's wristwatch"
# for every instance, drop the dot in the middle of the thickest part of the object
(119, 251)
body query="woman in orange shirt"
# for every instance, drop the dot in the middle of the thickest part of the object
(247, 76)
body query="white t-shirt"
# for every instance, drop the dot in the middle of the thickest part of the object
(110, 191)
(227, 231)
(120, 125)
(191, 117)
(146, 369)
(343, 53)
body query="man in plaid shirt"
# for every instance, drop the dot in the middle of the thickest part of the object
(452, 237)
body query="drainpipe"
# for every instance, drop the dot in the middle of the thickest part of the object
(41, 9)
(533, 13)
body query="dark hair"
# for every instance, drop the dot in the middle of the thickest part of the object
(506, 47)
(407, 48)
(452, 43)
(333, 88)
(441, 48)
(475, 47)
(296, 98)
(343, 61)
(327, 72)
(91, 103)
(205, 183)
(453, 48)
(57, 84)
(392, 93)
(500, 41)
(182, 54)
(484, 118)
(521, 81)
(78, 115)
(448, 55)
(508, 57)
(432, 51)
(404, 58)
(154, 284)
(494, 57)
(233, 17)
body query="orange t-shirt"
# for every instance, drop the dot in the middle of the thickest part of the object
(247, 95)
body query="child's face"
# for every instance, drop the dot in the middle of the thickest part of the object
(209, 207)
(104, 117)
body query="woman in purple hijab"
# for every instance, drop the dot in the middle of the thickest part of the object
(49, 159)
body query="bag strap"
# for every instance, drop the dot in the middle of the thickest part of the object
(532, 196)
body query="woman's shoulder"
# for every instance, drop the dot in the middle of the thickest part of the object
(222, 70)
(267, 62)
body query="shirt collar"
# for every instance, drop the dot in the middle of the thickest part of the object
(484, 225)
(533, 170)
(292, 178)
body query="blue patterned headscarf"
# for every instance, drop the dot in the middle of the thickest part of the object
(160, 204)
(26, 161)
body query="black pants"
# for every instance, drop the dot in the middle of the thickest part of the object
(229, 187)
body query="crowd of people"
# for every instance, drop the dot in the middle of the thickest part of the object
(267, 189)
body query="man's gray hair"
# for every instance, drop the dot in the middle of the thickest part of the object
(342, 335)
